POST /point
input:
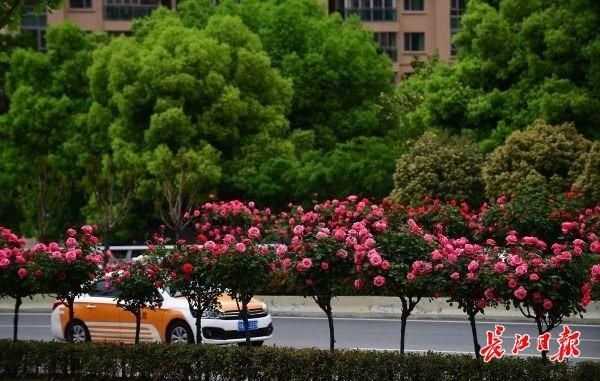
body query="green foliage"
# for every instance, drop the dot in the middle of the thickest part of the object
(160, 362)
(438, 166)
(546, 155)
(589, 180)
(516, 63)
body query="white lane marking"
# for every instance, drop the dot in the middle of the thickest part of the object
(465, 352)
(426, 321)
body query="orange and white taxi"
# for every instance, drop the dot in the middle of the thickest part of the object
(97, 318)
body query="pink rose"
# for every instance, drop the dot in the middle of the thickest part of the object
(87, 229)
(511, 239)
(70, 256)
(500, 267)
(455, 275)
(306, 263)
(324, 266)
(473, 266)
(71, 232)
(20, 259)
(53, 246)
(520, 293)
(471, 276)
(240, 247)
(4, 263)
(210, 245)
(375, 260)
(298, 229)
(253, 232)
(489, 293)
(436, 255)
(228, 240)
(378, 281)
(370, 243)
(22, 272)
(56, 255)
(521, 270)
(547, 304)
(309, 282)
(281, 250)
(358, 283)
(595, 247)
(71, 242)
(385, 265)
(512, 283)
(343, 254)
(534, 277)
(410, 276)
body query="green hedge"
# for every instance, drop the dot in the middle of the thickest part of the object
(54, 360)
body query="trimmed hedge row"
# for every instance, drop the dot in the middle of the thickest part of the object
(54, 360)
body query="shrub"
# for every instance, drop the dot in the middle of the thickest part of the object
(543, 154)
(176, 362)
(439, 166)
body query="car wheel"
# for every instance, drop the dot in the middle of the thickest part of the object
(180, 333)
(77, 332)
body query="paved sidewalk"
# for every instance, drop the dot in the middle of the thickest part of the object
(349, 306)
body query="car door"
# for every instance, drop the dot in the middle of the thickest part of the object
(100, 314)
(151, 325)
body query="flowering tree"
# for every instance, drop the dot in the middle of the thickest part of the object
(243, 265)
(545, 283)
(136, 286)
(455, 270)
(71, 270)
(403, 259)
(16, 280)
(320, 250)
(189, 271)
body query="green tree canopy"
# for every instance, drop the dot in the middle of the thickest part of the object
(552, 156)
(439, 166)
(517, 62)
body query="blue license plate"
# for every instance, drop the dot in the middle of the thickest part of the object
(252, 325)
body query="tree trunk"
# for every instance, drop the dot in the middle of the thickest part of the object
(70, 302)
(245, 320)
(538, 321)
(106, 233)
(18, 303)
(402, 332)
(331, 329)
(199, 327)
(476, 345)
(137, 326)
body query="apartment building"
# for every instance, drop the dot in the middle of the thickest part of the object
(408, 28)
(402, 28)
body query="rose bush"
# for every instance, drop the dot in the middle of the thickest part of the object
(16, 278)
(243, 265)
(70, 270)
(325, 245)
(136, 285)
(189, 270)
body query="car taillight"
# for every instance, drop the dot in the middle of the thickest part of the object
(56, 304)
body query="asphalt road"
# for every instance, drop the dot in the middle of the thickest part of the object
(374, 334)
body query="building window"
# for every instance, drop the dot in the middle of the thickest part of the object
(35, 25)
(371, 10)
(80, 4)
(457, 8)
(414, 5)
(128, 9)
(387, 44)
(414, 42)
